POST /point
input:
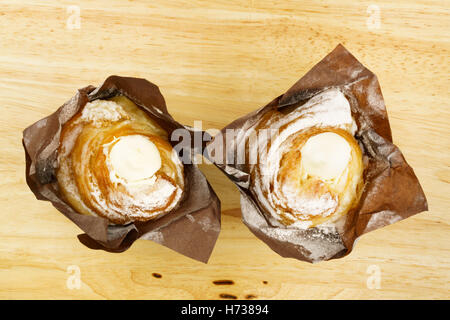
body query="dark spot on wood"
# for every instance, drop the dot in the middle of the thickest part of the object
(156, 275)
(250, 296)
(223, 282)
(227, 296)
(265, 282)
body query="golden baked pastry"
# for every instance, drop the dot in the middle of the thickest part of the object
(116, 162)
(309, 168)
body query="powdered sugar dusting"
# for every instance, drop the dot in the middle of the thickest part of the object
(156, 236)
(327, 109)
(145, 196)
(323, 205)
(102, 110)
(382, 219)
(316, 244)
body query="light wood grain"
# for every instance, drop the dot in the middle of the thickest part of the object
(215, 61)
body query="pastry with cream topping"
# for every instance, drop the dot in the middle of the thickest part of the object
(116, 162)
(309, 171)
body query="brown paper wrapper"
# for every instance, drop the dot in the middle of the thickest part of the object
(191, 229)
(391, 192)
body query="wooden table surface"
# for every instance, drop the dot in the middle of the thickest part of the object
(215, 61)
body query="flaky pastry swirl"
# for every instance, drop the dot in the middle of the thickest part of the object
(86, 175)
(289, 192)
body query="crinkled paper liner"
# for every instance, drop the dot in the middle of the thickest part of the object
(391, 192)
(191, 229)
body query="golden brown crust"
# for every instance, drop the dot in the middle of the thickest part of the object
(86, 181)
(286, 193)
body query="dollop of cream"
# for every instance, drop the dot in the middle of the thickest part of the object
(325, 155)
(134, 158)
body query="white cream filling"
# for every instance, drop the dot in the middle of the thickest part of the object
(325, 156)
(134, 158)
(132, 162)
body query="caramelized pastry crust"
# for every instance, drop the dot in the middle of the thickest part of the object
(89, 177)
(309, 169)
